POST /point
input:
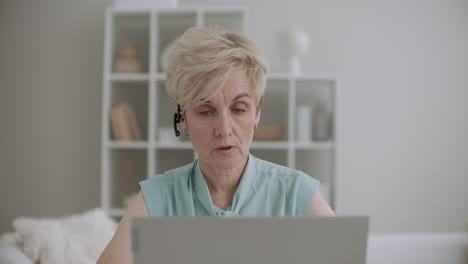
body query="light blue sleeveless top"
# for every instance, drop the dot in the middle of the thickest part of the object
(265, 189)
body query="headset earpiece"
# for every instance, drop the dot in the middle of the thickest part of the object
(177, 118)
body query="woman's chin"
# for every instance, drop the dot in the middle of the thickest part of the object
(228, 161)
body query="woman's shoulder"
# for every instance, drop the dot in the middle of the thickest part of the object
(292, 187)
(264, 167)
(272, 171)
(162, 191)
(170, 176)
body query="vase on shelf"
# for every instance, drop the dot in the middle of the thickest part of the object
(127, 60)
(322, 123)
(295, 44)
(304, 123)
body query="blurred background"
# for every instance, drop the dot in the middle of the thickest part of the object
(403, 68)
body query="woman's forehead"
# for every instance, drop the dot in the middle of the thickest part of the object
(234, 89)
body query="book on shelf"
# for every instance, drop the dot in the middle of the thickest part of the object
(124, 124)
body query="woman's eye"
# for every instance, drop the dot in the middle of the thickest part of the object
(239, 110)
(205, 113)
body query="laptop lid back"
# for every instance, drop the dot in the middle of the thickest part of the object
(318, 240)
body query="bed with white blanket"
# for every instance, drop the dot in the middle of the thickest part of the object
(73, 239)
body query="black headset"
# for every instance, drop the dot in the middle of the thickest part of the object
(177, 117)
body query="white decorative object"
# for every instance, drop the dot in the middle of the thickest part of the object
(304, 120)
(141, 4)
(297, 43)
(322, 123)
(166, 55)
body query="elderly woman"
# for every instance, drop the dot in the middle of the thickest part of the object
(217, 79)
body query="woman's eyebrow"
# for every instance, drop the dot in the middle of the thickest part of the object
(241, 95)
(203, 101)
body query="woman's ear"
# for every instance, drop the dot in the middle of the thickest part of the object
(258, 114)
(258, 111)
(183, 122)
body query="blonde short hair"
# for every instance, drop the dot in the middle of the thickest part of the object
(203, 59)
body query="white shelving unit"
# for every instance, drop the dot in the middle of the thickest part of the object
(125, 163)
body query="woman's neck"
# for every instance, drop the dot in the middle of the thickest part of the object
(223, 183)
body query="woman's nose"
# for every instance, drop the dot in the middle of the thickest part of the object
(223, 125)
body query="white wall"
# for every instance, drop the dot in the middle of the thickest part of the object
(50, 95)
(403, 120)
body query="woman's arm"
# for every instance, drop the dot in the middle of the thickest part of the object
(320, 207)
(118, 251)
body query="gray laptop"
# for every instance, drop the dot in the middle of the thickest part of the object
(213, 240)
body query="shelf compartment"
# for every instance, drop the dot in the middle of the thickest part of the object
(270, 145)
(168, 159)
(128, 145)
(165, 115)
(125, 77)
(319, 164)
(174, 145)
(275, 107)
(160, 76)
(165, 110)
(314, 93)
(127, 168)
(278, 156)
(325, 145)
(165, 107)
(230, 19)
(132, 29)
(171, 25)
(135, 95)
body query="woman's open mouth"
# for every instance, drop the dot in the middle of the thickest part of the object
(225, 149)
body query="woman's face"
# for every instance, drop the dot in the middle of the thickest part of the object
(221, 128)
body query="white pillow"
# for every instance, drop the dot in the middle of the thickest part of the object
(13, 255)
